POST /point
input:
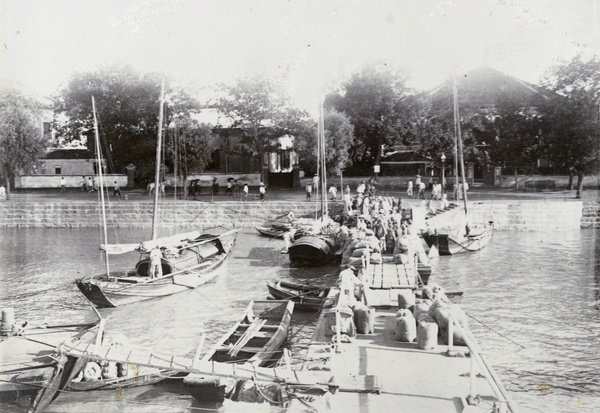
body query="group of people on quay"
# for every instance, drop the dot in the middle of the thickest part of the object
(365, 215)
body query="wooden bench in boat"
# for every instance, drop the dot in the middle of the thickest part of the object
(250, 332)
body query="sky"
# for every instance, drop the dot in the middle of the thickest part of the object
(307, 46)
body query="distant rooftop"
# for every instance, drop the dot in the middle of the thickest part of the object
(69, 154)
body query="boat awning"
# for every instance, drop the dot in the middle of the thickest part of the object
(168, 242)
(147, 246)
(114, 249)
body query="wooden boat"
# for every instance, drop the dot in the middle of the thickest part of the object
(257, 339)
(314, 250)
(188, 261)
(191, 259)
(448, 244)
(305, 297)
(32, 364)
(461, 239)
(144, 379)
(271, 232)
(100, 374)
(274, 228)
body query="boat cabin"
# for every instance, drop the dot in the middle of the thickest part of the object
(177, 259)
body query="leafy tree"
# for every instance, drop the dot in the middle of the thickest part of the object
(572, 125)
(338, 141)
(377, 103)
(127, 106)
(261, 112)
(191, 146)
(516, 139)
(21, 140)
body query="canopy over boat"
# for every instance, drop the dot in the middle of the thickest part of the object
(173, 242)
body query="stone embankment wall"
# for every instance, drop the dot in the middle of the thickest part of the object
(129, 214)
(507, 215)
(590, 216)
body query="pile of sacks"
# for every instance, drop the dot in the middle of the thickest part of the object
(425, 318)
(361, 247)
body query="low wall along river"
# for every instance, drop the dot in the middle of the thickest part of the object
(507, 215)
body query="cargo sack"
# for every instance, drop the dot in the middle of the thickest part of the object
(406, 299)
(376, 258)
(362, 319)
(427, 335)
(355, 262)
(401, 259)
(406, 327)
(361, 244)
(359, 252)
(419, 308)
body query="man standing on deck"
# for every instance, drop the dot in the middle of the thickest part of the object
(155, 263)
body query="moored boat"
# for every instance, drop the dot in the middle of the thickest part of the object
(167, 265)
(305, 297)
(462, 238)
(32, 365)
(189, 260)
(314, 250)
(275, 228)
(257, 339)
(451, 244)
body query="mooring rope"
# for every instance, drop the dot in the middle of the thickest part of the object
(495, 331)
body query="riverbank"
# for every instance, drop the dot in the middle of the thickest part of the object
(77, 210)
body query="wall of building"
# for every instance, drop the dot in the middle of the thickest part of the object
(68, 166)
(71, 181)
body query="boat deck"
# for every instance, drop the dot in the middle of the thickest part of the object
(382, 281)
(397, 376)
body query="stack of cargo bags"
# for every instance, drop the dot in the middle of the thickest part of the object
(362, 247)
(425, 317)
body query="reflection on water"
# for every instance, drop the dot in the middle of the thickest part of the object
(533, 298)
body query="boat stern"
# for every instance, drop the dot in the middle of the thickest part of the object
(93, 292)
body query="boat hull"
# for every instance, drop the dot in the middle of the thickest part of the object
(105, 292)
(257, 339)
(313, 250)
(118, 383)
(451, 245)
(33, 366)
(305, 297)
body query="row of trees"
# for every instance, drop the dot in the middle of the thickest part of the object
(372, 110)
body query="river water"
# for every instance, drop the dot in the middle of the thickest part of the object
(532, 298)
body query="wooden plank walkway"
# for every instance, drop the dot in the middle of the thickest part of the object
(382, 281)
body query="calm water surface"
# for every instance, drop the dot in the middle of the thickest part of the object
(533, 299)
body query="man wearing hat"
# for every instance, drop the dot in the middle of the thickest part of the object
(262, 191)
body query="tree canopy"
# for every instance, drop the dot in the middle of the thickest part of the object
(339, 137)
(127, 106)
(571, 120)
(260, 111)
(378, 104)
(21, 140)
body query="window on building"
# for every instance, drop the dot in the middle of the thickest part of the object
(57, 170)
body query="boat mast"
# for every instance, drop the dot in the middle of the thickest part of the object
(322, 168)
(459, 145)
(158, 159)
(100, 178)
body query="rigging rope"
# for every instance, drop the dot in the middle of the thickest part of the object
(495, 331)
